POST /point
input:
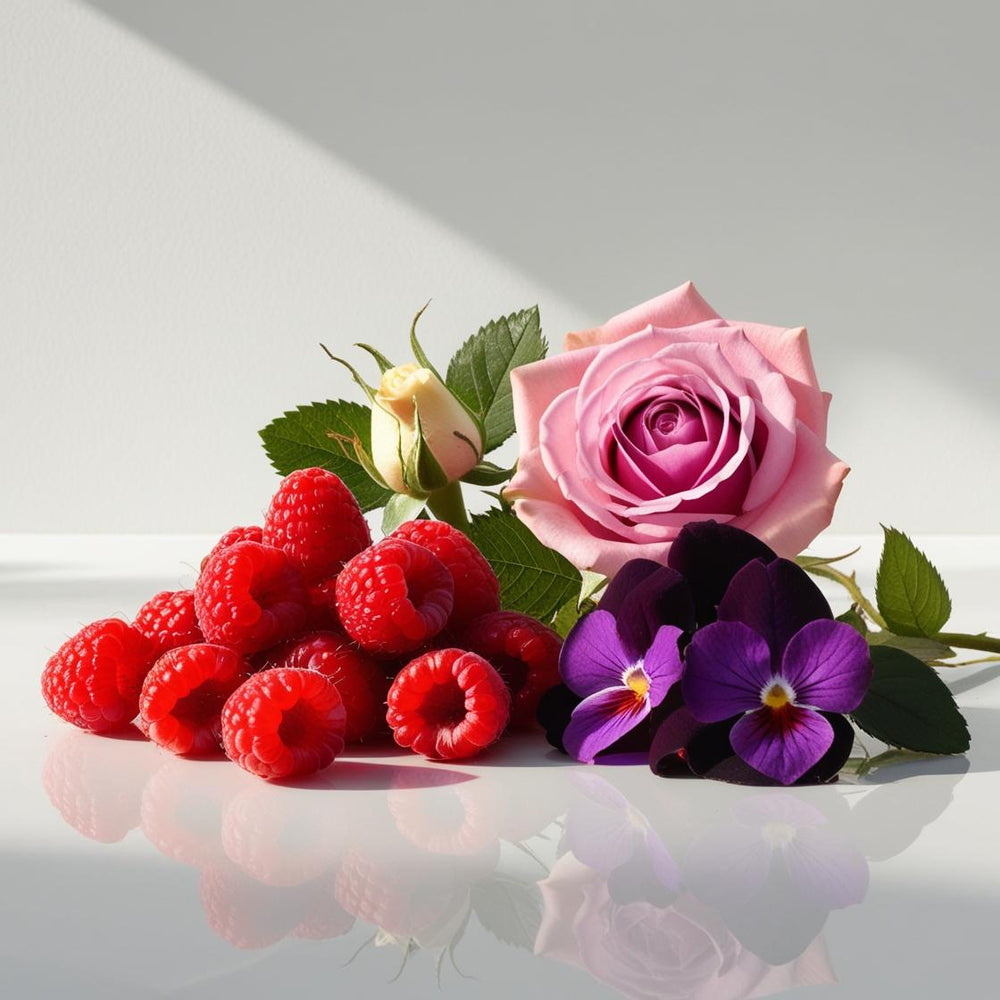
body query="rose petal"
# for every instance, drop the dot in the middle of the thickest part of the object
(680, 306)
(593, 657)
(602, 719)
(726, 667)
(828, 665)
(782, 744)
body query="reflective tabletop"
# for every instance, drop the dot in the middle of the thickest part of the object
(131, 873)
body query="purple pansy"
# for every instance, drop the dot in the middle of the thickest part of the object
(622, 658)
(776, 658)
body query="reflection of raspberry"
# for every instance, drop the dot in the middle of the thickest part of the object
(448, 704)
(454, 819)
(250, 533)
(477, 591)
(94, 678)
(168, 620)
(526, 655)
(325, 918)
(315, 519)
(284, 723)
(182, 697)
(394, 596)
(360, 679)
(249, 596)
(244, 912)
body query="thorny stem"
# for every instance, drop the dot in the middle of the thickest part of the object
(850, 584)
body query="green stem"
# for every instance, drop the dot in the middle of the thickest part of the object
(851, 586)
(448, 505)
(963, 640)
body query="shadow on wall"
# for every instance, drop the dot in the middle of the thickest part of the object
(832, 165)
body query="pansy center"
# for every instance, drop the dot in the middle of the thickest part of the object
(637, 679)
(777, 693)
(777, 834)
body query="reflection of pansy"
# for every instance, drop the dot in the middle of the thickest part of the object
(777, 659)
(622, 658)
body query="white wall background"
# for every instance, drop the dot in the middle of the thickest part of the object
(194, 193)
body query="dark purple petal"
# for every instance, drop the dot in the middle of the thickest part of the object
(726, 667)
(662, 663)
(553, 713)
(775, 600)
(592, 657)
(708, 555)
(828, 665)
(601, 720)
(618, 591)
(782, 744)
(662, 598)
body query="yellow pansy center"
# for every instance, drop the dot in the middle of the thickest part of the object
(636, 679)
(776, 695)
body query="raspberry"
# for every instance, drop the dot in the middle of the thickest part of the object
(316, 521)
(94, 678)
(393, 597)
(477, 591)
(323, 605)
(360, 680)
(448, 704)
(168, 620)
(526, 655)
(284, 723)
(250, 533)
(180, 707)
(249, 596)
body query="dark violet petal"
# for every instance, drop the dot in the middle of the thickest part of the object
(662, 663)
(662, 598)
(602, 719)
(775, 600)
(826, 869)
(828, 665)
(625, 581)
(667, 752)
(709, 555)
(782, 744)
(592, 657)
(553, 713)
(726, 667)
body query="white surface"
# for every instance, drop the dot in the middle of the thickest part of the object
(199, 854)
(195, 193)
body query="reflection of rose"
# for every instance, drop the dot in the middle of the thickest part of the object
(667, 414)
(683, 950)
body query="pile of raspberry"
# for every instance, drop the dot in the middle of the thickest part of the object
(301, 636)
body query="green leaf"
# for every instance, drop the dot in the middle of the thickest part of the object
(569, 614)
(910, 593)
(418, 352)
(810, 562)
(921, 647)
(910, 707)
(334, 435)
(534, 580)
(590, 584)
(400, 508)
(852, 618)
(479, 373)
(487, 474)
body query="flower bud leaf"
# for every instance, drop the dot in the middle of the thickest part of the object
(418, 352)
(910, 593)
(488, 474)
(384, 364)
(479, 373)
(422, 473)
(333, 435)
(852, 617)
(908, 705)
(534, 579)
(368, 390)
(399, 509)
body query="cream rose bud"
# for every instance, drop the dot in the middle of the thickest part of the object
(448, 431)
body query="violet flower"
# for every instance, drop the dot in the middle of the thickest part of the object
(622, 658)
(776, 658)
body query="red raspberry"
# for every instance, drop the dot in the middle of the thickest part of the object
(477, 591)
(284, 723)
(250, 533)
(94, 678)
(249, 596)
(360, 679)
(180, 707)
(526, 655)
(323, 605)
(393, 597)
(448, 704)
(316, 521)
(168, 620)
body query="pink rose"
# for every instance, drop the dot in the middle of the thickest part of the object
(668, 414)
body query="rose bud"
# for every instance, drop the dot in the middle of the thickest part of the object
(422, 436)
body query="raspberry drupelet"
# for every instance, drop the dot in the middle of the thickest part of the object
(168, 620)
